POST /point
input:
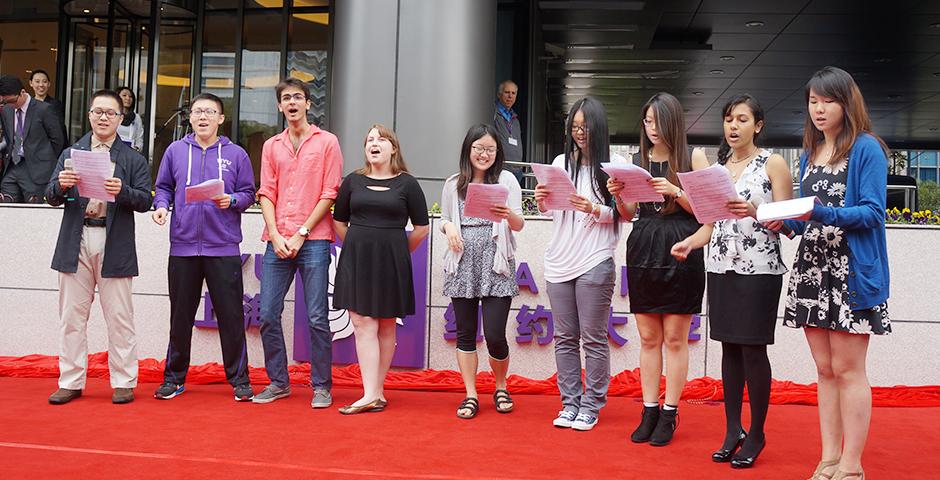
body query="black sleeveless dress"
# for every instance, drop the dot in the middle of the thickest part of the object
(657, 282)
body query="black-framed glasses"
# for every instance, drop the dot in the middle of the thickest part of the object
(110, 114)
(297, 96)
(209, 112)
(479, 149)
(579, 129)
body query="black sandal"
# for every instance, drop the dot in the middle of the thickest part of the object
(501, 397)
(471, 404)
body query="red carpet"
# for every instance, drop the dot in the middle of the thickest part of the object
(204, 434)
(626, 383)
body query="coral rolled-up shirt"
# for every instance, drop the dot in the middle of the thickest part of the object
(296, 182)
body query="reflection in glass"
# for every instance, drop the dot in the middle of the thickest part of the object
(173, 86)
(307, 59)
(218, 63)
(259, 118)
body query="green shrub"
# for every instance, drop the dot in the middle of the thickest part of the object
(928, 194)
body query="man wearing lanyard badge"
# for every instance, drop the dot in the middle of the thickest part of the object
(204, 243)
(507, 126)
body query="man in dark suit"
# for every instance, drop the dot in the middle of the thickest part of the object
(34, 138)
(96, 247)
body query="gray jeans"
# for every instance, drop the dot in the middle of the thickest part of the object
(580, 310)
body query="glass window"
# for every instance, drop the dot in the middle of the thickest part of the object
(928, 174)
(173, 87)
(221, 4)
(928, 159)
(307, 59)
(259, 118)
(264, 4)
(27, 46)
(218, 63)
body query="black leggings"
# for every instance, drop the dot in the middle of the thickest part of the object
(742, 364)
(495, 314)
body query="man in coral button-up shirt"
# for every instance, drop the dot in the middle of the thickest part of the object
(301, 169)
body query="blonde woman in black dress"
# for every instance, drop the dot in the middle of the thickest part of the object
(374, 280)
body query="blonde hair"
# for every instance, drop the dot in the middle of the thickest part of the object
(397, 162)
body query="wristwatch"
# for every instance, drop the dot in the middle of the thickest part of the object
(303, 231)
(679, 193)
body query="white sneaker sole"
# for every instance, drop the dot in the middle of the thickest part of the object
(582, 427)
(562, 423)
(175, 394)
(255, 399)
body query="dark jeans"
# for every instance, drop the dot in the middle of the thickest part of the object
(313, 262)
(223, 276)
(495, 314)
(18, 187)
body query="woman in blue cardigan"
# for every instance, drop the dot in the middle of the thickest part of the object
(839, 283)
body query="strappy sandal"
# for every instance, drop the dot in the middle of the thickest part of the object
(818, 474)
(471, 404)
(840, 475)
(501, 397)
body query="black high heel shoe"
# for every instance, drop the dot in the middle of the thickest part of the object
(723, 455)
(747, 462)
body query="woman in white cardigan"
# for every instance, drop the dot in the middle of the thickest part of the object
(479, 264)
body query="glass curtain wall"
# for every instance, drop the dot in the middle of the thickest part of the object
(247, 47)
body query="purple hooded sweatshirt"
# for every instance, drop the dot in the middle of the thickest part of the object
(201, 228)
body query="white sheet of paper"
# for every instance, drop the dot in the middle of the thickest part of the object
(482, 196)
(558, 183)
(785, 209)
(205, 191)
(636, 187)
(709, 190)
(94, 168)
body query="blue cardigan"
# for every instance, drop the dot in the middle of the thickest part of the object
(863, 220)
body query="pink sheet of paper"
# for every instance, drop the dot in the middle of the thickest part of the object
(482, 196)
(94, 168)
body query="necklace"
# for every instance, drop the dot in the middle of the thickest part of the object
(743, 159)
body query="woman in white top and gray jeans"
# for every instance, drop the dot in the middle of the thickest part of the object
(579, 266)
(479, 263)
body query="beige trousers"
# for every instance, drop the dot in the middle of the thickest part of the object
(76, 294)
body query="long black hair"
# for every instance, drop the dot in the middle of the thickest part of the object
(724, 150)
(475, 133)
(670, 126)
(598, 145)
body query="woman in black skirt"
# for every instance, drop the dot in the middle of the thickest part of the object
(664, 293)
(745, 272)
(373, 277)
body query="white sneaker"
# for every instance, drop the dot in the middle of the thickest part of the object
(564, 419)
(584, 422)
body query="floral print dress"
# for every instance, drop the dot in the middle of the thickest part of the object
(818, 295)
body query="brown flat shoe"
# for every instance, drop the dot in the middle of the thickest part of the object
(379, 406)
(353, 409)
(122, 395)
(63, 396)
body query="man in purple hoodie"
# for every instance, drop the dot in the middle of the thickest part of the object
(204, 243)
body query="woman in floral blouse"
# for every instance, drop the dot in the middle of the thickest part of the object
(745, 275)
(839, 285)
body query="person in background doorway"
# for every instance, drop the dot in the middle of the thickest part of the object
(132, 126)
(34, 140)
(41, 84)
(508, 129)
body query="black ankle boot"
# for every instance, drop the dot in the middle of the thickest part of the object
(665, 427)
(647, 424)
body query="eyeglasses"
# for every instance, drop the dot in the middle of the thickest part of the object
(297, 96)
(98, 112)
(579, 129)
(479, 149)
(209, 112)
(649, 122)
